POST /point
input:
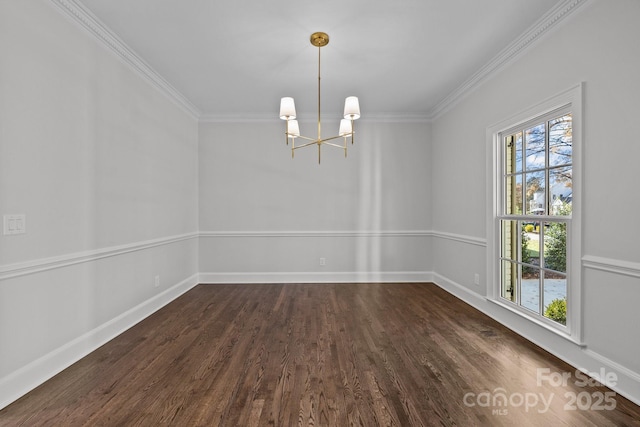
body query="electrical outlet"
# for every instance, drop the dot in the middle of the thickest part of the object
(14, 224)
(156, 283)
(476, 279)
(323, 262)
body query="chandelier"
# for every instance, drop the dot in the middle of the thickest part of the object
(288, 113)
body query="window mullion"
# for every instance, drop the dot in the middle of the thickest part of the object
(547, 175)
(519, 260)
(523, 198)
(541, 238)
(547, 212)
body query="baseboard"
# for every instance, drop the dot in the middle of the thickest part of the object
(37, 372)
(629, 378)
(318, 277)
(580, 357)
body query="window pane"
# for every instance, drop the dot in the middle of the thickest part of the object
(509, 280)
(513, 190)
(535, 147)
(530, 243)
(509, 239)
(555, 246)
(555, 297)
(518, 154)
(530, 289)
(560, 141)
(535, 193)
(561, 187)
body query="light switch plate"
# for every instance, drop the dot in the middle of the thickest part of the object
(15, 224)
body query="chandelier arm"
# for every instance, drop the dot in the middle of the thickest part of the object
(334, 145)
(335, 137)
(307, 144)
(322, 141)
(307, 138)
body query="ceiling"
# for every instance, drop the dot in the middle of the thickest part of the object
(238, 58)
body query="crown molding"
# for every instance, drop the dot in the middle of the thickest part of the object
(89, 22)
(508, 54)
(311, 117)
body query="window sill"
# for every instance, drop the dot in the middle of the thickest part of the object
(560, 332)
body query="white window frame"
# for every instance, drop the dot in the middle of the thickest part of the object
(571, 98)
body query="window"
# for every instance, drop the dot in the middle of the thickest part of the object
(535, 253)
(537, 194)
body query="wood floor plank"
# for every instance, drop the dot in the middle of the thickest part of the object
(321, 355)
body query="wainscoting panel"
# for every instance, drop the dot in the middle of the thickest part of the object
(310, 256)
(55, 311)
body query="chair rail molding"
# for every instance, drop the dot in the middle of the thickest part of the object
(626, 268)
(40, 265)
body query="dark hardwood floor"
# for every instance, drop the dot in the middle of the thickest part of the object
(327, 355)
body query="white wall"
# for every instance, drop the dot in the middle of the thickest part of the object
(265, 216)
(597, 46)
(105, 168)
